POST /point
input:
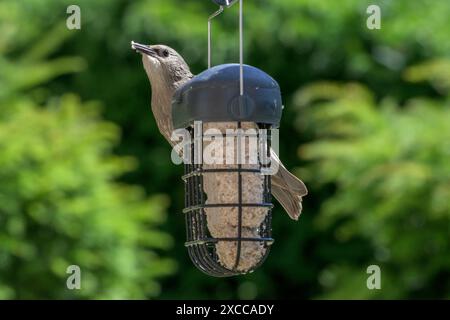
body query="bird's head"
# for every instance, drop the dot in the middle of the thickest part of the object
(164, 66)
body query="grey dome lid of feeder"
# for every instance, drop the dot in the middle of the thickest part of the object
(214, 96)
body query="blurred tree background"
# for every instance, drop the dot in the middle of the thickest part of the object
(86, 178)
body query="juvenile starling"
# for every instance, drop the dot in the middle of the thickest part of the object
(168, 71)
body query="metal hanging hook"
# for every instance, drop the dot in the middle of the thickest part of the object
(222, 4)
(215, 14)
(228, 4)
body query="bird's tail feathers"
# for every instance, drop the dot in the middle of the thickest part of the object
(289, 190)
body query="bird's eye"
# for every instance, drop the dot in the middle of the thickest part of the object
(165, 53)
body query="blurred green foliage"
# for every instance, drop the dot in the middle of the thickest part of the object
(366, 123)
(391, 175)
(61, 203)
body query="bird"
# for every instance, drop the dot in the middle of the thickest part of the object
(167, 71)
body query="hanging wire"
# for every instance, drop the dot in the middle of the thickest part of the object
(228, 4)
(241, 46)
(215, 14)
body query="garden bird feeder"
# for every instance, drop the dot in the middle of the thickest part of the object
(228, 206)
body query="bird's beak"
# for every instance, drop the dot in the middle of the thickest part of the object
(142, 48)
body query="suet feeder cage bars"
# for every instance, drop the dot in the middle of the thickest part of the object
(228, 206)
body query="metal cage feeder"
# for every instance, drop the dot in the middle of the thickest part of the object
(232, 236)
